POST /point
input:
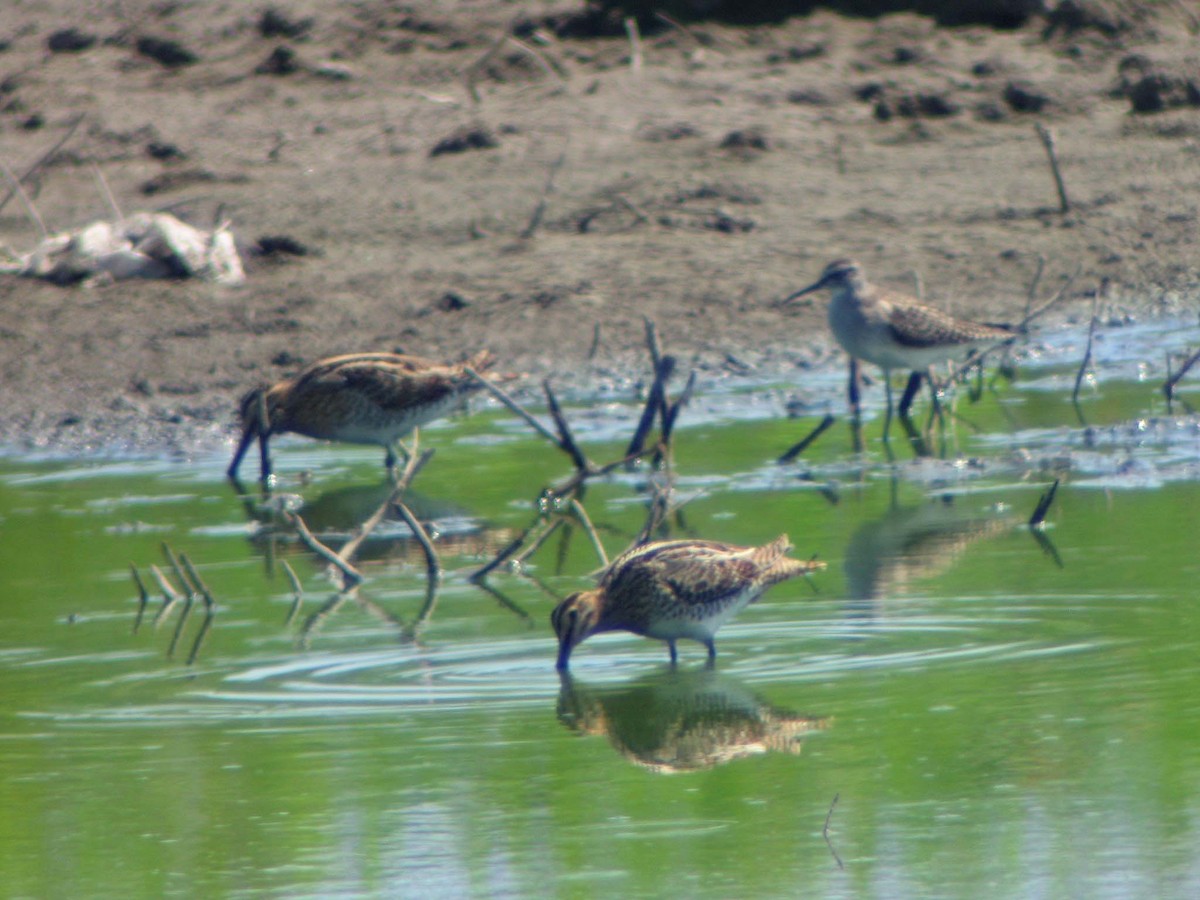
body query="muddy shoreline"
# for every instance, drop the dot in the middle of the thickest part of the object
(574, 194)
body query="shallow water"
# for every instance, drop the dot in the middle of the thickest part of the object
(993, 714)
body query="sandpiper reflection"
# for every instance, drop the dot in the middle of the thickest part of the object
(683, 720)
(886, 556)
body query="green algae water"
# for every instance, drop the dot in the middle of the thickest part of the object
(953, 707)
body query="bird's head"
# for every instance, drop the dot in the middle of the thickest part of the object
(838, 274)
(574, 620)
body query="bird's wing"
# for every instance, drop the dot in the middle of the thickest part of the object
(919, 326)
(695, 572)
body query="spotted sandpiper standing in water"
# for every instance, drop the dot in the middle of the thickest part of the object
(360, 398)
(675, 589)
(893, 330)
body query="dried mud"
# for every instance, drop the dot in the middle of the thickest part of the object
(403, 177)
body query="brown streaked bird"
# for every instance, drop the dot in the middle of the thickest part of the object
(675, 589)
(359, 398)
(893, 330)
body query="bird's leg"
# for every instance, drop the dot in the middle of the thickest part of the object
(264, 434)
(910, 394)
(854, 389)
(264, 458)
(887, 417)
(937, 404)
(674, 653)
(712, 653)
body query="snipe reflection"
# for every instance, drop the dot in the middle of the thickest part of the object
(683, 720)
(338, 516)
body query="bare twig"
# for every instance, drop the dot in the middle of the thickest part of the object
(472, 73)
(143, 597)
(825, 832)
(106, 193)
(681, 401)
(368, 525)
(803, 445)
(42, 161)
(353, 577)
(565, 439)
(170, 595)
(1045, 307)
(1173, 380)
(655, 402)
(539, 211)
(499, 393)
(549, 528)
(1047, 138)
(1087, 353)
(1033, 285)
(1037, 520)
(496, 561)
(590, 529)
(595, 346)
(30, 209)
(297, 593)
(433, 566)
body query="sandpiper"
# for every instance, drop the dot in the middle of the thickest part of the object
(359, 398)
(674, 589)
(893, 330)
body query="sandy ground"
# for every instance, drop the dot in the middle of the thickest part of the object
(697, 188)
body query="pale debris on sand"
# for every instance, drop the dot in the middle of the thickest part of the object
(142, 245)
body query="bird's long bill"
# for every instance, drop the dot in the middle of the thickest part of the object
(816, 285)
(566, 644)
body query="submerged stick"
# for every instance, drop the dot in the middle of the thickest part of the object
(297, 593)
(143, 597)
(352, 575)
(170, 595)
(1037, 520)
(1173, 380)
(825, 832)
(798, 448)
(1087, 353)
(433, 566)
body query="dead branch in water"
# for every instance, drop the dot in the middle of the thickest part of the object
(825, 832)
(143, 597)
(1038, 519)
(433, 567)
(1173, 380)
(1087, 353)
(297, 593)
(798, 448)
(590, 529)
(352, 577)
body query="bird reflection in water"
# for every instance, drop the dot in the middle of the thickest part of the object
(683, 720)
(886, 556)
(337, 515)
